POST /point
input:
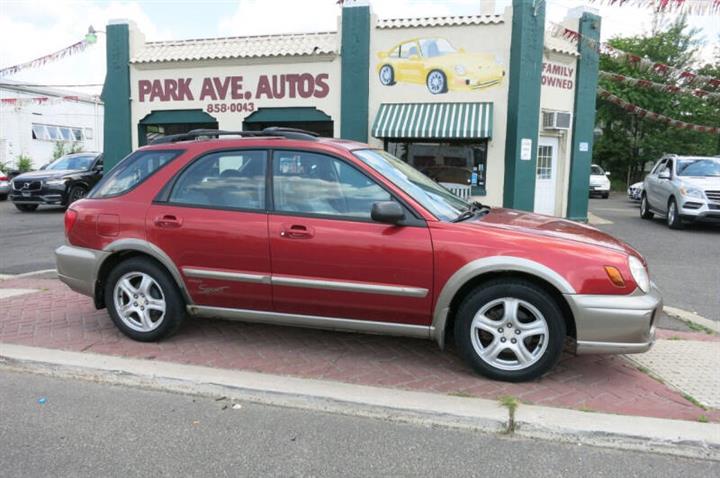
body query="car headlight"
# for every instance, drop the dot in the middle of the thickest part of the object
(459, 69)
(55, 182)
(639, 273)
(692, 192)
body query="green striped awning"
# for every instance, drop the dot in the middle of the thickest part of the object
(434, 120)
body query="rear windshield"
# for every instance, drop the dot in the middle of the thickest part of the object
(132, 171)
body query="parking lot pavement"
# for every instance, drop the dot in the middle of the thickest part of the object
(685, 264)
(28, 240)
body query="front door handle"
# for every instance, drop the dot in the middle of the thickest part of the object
(168, 221)
(296, 231)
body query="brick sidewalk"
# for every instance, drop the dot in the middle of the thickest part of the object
(56, 317)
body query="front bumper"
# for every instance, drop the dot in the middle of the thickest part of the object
(599, 188)
(612, 324)
(78, 267)
(634, 194)
(695, 209)
(45, 195)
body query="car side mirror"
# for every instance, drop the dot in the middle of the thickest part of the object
(414, 57)
(607, 173)
(664, 174)
(461, 50)
(44, 166)
(387, 212)
(98, 168)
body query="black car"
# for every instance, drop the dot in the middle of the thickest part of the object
(60, 182)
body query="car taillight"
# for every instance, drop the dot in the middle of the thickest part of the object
(3, 177)
(70, 218)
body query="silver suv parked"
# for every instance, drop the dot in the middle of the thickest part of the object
(682, 188)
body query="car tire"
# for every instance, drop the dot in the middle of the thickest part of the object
(143, 300)
(3, 197)
(436, 82)
(76, 193)
(673, 216)
(387, 75)
(510, 330)
(605, 195)
(26, 207)
(645, 211)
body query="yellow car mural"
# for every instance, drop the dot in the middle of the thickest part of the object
(435, 63)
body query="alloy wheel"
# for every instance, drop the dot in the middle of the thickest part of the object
(671, 213)
(509, 334)
(139, 301)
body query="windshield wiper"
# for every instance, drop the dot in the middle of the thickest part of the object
(474, 209)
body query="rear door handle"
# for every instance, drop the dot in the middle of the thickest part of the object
(168, 221)
(296, 231)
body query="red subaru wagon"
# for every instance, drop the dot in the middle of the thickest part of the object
(283, 227)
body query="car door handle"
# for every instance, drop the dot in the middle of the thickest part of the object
(168, 221)
(296, 231)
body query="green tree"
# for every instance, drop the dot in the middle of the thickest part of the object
(628, 142)
(24, 163)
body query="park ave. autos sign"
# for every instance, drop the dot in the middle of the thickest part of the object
(293, 85)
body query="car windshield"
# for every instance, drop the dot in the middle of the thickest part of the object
(436, 47)
(435, 198)
(74, 163)
(596, 170)
(698, 167)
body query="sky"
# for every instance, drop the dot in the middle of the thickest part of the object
(33, 28)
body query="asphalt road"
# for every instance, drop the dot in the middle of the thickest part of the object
(90, 429)
(28, 240)
(685, 264)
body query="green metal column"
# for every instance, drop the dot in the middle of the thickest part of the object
(526, 54)
(117, 135)
(355, 70)
(583, 118)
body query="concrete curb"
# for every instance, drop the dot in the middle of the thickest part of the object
(691, 317)
(690, 439)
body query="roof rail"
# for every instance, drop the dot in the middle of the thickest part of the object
(274, 131)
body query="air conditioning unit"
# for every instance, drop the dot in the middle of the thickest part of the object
(557, 120)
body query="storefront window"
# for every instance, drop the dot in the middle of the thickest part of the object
(459, 166)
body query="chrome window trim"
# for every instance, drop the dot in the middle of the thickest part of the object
(226, 275)
(312, 321)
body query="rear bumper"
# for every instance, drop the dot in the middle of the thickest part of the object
(611, 324)
(78, 267)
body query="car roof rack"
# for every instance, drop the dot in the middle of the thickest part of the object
(273, 131)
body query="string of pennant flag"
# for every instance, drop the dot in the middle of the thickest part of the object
(662, 87)
(683, 77)
(37, 62)
(643, 113)
(692, 7)
(40, 100)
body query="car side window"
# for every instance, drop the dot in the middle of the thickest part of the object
(408, 49)
(668, 167)
(658, 167)
(312, 183)
(224, 180)
(132, 171)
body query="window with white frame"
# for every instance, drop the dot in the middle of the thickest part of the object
(48, 132)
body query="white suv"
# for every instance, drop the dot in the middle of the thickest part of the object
(682, 188)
